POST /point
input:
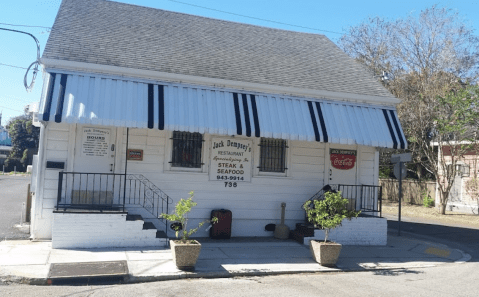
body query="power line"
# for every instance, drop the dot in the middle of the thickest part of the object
(254, 18)
(13, 66)
(16, 25)
(11, 108)
(35, 64)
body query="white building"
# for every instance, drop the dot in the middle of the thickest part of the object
(246, 116)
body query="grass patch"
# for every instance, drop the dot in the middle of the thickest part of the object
(432, 214)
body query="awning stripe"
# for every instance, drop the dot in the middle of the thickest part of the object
(398, 130)
(99, 100)
(61, 98)
(151, 95)
(161, 107)
(48, 105)
(246, 115)
(321, 120)
(313, 120)
(257, 131)
(391, 132)
(239, 129)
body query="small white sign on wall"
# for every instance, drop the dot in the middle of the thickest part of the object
(95, 142)
(231, 160)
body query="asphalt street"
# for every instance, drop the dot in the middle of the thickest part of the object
(459, 237)
(13, 192)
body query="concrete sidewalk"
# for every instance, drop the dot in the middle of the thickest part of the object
(29, 262)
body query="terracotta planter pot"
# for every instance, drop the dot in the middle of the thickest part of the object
(325, 253)
(185, 255)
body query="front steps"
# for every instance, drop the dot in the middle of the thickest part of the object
(104, 230)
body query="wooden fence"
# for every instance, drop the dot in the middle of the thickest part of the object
(413, 191)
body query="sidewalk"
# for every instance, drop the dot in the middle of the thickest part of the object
(29, 262)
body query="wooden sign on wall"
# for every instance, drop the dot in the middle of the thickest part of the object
(135, 155)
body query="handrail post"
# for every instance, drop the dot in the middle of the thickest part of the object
(380, 201)
(361, 198)
(126, 164)
(60, 186)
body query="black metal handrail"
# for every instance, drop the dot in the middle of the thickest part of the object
(110, 192)
(366, 198)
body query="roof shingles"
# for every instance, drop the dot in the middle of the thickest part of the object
(124, 35)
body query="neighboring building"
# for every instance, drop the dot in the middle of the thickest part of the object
(5, 140)
(246, 116)
(464, 195)
(5, 144)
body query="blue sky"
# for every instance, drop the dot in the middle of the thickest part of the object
(331, 16)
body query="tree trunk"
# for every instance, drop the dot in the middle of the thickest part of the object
(442, 208)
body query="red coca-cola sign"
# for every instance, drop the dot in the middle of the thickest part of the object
(342, 159)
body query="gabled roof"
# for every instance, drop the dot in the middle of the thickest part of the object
(124, 35)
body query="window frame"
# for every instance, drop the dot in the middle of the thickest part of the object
(170, 149)
(287, 158)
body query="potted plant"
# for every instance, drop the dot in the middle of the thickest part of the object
(185, 251)
(327, 214)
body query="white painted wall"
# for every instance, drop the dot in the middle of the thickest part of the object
(253, 204)
(99, 230)
(357, 231)
(56, 144)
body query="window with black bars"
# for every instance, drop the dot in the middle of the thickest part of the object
(187, 149)
(272, 155)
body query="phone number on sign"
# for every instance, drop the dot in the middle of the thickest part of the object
(224, 177)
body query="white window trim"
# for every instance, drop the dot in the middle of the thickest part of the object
(204, 158)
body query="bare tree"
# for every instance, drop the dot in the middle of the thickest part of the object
(434, 58)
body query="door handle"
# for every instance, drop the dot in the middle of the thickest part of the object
(111, 167)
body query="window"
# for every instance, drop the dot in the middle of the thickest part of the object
(186, 149)
(272, 155)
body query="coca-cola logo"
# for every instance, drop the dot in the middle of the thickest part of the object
(343, 159)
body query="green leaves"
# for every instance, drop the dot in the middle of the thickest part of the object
(329, 212)
(182, 208)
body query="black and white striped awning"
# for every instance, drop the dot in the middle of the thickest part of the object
(97, 100)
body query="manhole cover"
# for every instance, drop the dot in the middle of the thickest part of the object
(87, 269)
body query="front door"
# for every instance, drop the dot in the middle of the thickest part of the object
(95, 150)
(342, 164)
(93, 181)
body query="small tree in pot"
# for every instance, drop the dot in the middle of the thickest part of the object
(185, 251)
(327, 214)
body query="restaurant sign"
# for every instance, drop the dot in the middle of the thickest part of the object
(342, 159)
(231, 160)
(95, 142)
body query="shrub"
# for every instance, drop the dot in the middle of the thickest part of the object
(328, 213)
(182, 208)
(427, 201)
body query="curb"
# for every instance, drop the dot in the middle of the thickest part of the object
(131, 279)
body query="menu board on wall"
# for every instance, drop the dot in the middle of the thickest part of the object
(231, 160)
(95, 142)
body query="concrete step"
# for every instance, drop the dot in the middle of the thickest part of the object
(132, 217)
(161, 234)
(148, 225)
